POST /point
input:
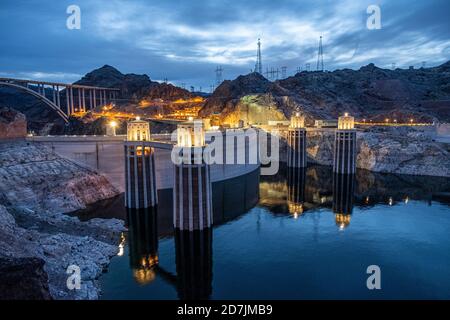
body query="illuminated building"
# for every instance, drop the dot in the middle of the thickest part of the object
(297, 142)
(192, 184)
(345, 146)
(140, 181)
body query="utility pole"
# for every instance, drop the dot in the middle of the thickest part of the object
(283, 72)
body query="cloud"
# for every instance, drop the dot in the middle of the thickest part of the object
(185, 40)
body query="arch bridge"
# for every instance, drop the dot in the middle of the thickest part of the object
(64, 98)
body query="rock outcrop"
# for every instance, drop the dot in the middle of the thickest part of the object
(130, 85)
(36, 188)
(394, 150)
(23, 279)
(13, 124)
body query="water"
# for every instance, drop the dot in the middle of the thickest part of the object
(279, 238)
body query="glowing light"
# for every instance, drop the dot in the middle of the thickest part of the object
(191, 118)
(391, 201)
(138, 118)
(113, 124)
(346, 114)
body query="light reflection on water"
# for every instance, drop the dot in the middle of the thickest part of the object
(298, 235)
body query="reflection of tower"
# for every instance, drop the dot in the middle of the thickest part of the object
(192, 188)
(143, 243)
(297, 142)
(345, 146)
(140, 182)
(343, 186)
(296, 190)
(194, 263)
(258, 65)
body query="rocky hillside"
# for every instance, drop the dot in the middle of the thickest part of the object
(130, 85)
(36, 188)
(13, 124)
(370, 92)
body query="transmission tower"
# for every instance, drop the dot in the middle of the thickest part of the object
(393, 65)
(183, 85)
(219, 71)
(299, 69)
(283, 72)
(258, 65)
(277, 72)
(424, 63)
(307, 66)
(320, 56)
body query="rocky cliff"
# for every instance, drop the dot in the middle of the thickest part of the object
(370, 92)
(36, 188)
(13, 124)
(394, 150)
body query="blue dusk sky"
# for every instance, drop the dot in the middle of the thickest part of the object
(184, 41)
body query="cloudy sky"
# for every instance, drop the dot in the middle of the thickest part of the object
(184, 41)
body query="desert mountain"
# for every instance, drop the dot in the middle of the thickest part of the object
(369, 92)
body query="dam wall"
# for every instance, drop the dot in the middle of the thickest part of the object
(105, 154)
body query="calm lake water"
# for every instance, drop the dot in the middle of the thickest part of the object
(296, 235)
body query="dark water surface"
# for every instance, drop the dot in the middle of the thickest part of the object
(297, 235)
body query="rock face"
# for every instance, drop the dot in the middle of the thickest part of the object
(395, 150)
(13, 124)
(23, 279)
(36, 188)
(370, 92)
(166, 91)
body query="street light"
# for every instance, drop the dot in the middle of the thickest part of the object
(112, 125)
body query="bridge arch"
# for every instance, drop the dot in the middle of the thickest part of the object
(45, 100)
